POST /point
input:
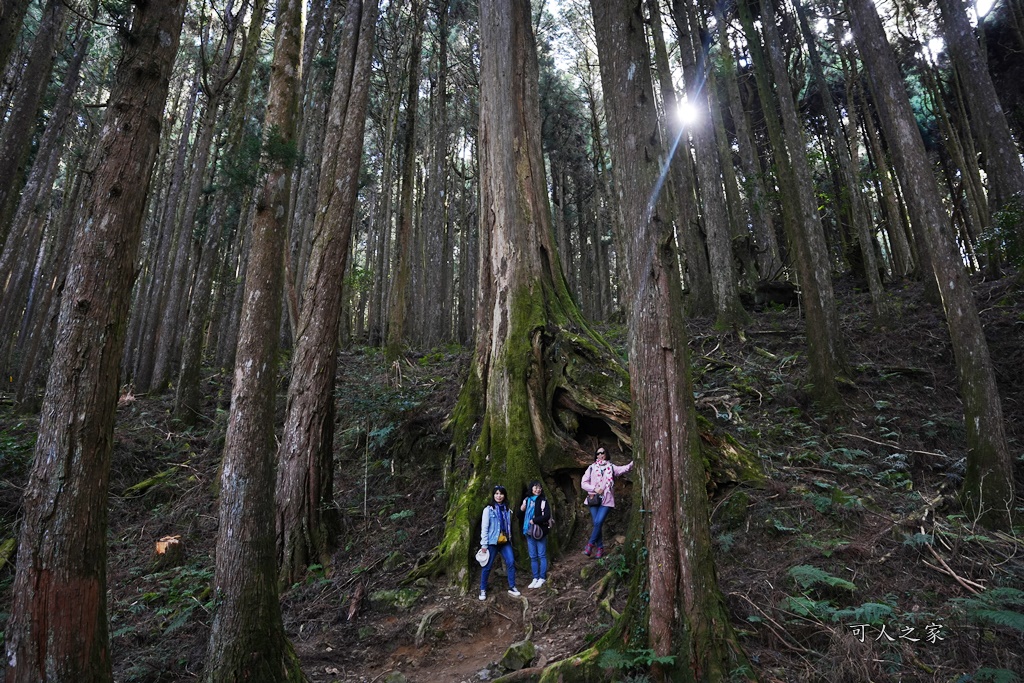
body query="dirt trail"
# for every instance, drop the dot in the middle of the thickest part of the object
(461, 638)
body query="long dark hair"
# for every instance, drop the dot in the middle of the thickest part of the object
(497, 488)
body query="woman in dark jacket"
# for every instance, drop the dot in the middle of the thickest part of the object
(537, 514)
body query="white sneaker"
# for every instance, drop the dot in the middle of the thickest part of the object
(514, 592)
(533, 584)
(540, 582)
(482, 596)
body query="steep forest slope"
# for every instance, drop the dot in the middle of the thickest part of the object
(852, 561)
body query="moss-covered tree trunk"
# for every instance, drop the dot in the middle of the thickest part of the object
(541, 380)
(675, 605)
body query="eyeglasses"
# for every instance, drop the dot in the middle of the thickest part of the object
(601, 453)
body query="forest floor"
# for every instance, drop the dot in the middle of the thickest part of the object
(851, 561)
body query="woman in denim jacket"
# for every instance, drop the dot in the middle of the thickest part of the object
(496, 537)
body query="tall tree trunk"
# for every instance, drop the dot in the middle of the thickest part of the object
(1001, 155)
(988, 489)
(188, 393)
(742, 244)
(769, 263)
(685, 613)
(825, 349)
(58, 625)
(532, 346)
(435, 211)
(35, 351)
(379, 296)
(398, 304)
(850, 188)
(895, 223)
(11, 19)
(152, 306)
(215, 86)
(247, 639)
(468, 255)
(772, 152)
(229, 337)
(314, 96)
(696, 271)
(19, 253)
(16, 140)
(306, 456)
(729, 312)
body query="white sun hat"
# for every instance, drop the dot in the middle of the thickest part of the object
(482, 556)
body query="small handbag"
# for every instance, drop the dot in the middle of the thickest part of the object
(536, 532)
(502, 538)
(594, 500)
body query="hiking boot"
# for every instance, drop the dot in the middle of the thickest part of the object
(587, 548)
(482, 596)
(598, 553)
(514, 592)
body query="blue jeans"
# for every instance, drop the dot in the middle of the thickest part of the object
(538, 556)
(598, 513)
(510, 564)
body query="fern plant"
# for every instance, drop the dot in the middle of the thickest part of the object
(874, 613)
(989, 675)
(995, 607)
(807, 576)
(632, 660)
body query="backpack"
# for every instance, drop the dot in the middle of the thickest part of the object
(551, 518)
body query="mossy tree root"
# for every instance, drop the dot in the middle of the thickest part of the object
(566, 390)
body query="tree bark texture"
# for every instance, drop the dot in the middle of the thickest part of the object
(729, 313)
(1001, 155)
(696, 271)
(155, 300)
(401, 285)
(11, 19)
(58, 625)
(848, 193)
(305, 456)
(824, 344)
(176, 308)
(685, 614)
(988, 489)
(16, 141)
(247, 639)
(19, 253)
(536, 362)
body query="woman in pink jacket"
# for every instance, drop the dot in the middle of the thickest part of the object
(599, 479)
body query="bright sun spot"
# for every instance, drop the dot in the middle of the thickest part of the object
(686, 113)
(984, 6)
